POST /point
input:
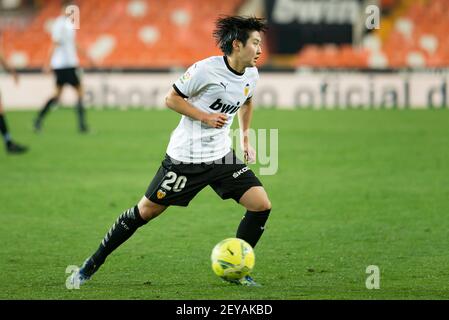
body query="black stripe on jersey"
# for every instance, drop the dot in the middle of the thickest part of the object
(179, 92)
(229, 67)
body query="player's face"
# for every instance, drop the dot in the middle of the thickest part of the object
(252, 50)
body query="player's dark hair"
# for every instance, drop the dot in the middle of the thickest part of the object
(230, 28)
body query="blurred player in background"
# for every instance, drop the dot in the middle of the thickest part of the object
(65, 64)
(208, 96)
(11, 146)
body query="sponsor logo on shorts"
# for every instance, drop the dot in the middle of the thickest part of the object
(238, 173)
(161, 194)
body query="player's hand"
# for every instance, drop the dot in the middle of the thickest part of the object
(249, 153)
(215, 120)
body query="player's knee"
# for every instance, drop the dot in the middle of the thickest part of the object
(147, 213)
(263, 205)
(266, 205)
(80, 92)
(149, 210)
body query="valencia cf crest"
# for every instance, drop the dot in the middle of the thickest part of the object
(161, 194)
(246, 90)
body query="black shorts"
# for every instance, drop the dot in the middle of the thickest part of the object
(177, 183)
(67, 76)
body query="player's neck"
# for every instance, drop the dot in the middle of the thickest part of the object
(235, 64)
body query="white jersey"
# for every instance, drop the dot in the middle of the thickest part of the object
(212, 86)
(64, 54)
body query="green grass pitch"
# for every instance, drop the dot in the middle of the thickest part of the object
(354, 188)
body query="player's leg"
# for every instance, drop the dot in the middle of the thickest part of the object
(237, 181)
(258, 208)
(252, 225)
(75, 81)
(11, 146)
(3, 127)
(233, 179)
(125, 225)
(48, 105)
(122, 229)
(80, 110)
(170, 186)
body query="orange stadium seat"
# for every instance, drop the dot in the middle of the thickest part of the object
(176, 33)
(427, 19)
(309, 56)
(184, 31)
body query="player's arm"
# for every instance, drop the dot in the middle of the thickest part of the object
(56, 41)
(46, 67)
(177, 103)
(245, 115)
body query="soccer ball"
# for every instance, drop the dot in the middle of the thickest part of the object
(232, 259)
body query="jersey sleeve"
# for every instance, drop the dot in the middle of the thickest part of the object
(195, 79)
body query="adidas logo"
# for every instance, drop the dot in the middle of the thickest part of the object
(224, 108)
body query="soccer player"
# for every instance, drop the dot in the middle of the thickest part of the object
(65, 65)
(11, 146)
(199, 153)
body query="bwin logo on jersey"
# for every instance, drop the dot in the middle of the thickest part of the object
(225, 108)
(238, 173)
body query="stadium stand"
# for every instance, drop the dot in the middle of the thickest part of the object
(413, 34)
(175, 33)
(115, 30)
